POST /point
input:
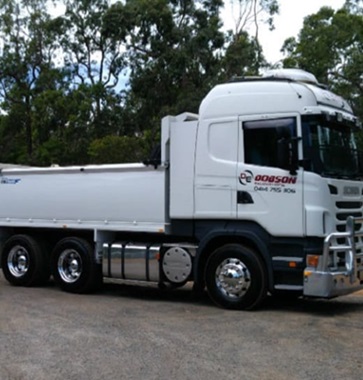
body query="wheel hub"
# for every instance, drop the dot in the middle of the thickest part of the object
(74, 265)
(233, 278)
(18, 261)
(70, 265)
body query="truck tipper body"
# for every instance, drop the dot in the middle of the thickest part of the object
(259, 193)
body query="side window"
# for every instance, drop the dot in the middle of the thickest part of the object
(262, 139)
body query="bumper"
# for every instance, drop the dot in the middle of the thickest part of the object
(339, 269)
(329, 285)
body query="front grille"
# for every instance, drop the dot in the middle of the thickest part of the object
(349, 205)
(346, 209)
(344, 215)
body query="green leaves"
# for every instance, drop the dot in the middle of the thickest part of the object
(331, 46)
(116, 149)
(92, 84)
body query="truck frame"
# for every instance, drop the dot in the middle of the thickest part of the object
(259, 193)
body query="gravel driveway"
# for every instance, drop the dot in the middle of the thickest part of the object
(131, 332)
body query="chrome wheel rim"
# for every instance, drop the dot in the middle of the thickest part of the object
(233, 278)
(18, 261)
(70, 266)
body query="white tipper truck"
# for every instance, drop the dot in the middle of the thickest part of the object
(259, 193)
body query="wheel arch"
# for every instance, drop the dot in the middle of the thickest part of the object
(219, 238)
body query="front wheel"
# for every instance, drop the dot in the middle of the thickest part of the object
(235, 277)
(73, 266)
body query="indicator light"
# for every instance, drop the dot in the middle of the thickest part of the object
(312, 260)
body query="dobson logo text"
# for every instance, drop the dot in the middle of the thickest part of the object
(276, 179)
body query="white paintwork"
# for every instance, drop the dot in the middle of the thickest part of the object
(182, 155)
(294, 74)
(277, 207)
(321, 206)
(112, 197)
(261, 98)
(216, 169)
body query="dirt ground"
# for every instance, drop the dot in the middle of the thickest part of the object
(132, 332)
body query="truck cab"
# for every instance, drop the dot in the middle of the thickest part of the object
(276, 169)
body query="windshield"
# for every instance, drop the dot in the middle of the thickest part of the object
(330, 147)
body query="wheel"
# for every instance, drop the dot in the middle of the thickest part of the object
(24, 262)
(73, 266)
(235, 277)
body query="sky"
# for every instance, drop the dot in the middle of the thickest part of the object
(287, 24)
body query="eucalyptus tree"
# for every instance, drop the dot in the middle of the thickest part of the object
(27, 70)
(243, 38)
(95, 62)
(174, 51)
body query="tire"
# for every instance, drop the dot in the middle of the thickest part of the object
(73, 266)
(24, 262)
(235, 278)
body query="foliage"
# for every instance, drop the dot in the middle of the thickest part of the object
(173, 52)
(330, 45)
(61, 97)
(94, 60)
(27, 69)
(249, 14)
(114, 149)
(243, 57)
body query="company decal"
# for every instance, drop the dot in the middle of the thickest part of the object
(9, 181)
(268, 183)
(246, 177)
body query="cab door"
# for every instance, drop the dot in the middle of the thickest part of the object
(268, 192)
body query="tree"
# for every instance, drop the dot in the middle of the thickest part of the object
(330, 45)
(115, 149)
(253, 12)
(93, 59)
(60, 77)
(243, 57)
(249, 15)
(26, 71)
(174, 52)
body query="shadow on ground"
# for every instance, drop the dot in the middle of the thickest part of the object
(319, 307)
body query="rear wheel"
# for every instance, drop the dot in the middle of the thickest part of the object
(235, 277)
(73, 266)
(24, 262)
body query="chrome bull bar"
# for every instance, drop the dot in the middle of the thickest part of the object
(339, 269)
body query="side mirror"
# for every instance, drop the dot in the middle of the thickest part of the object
(287, 156)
